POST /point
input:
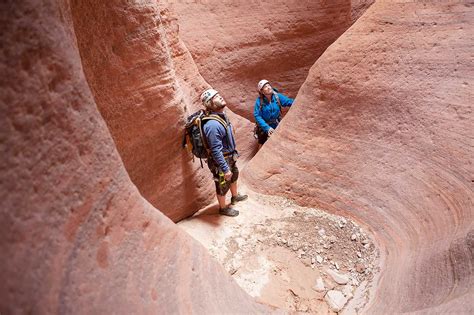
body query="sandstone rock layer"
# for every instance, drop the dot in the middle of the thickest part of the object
(145, 84)
(76, 236)
(381, 131)
(235, 44)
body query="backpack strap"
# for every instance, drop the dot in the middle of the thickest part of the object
(278, 102)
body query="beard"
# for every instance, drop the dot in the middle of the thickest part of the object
(219, 104)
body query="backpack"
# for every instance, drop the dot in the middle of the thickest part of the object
(194, 139)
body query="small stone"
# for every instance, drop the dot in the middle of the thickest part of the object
(360, 268)
(295, 234)
(313, 260)
(336, 300)
(303, 308)
(342, 223)
(359, 254)
(322, 232)
(283, 241)
(347, 291)
(365, 241)
(338, 277)
(332, 239)
(336, 265)
(319, 259)
(367, 246)
(353, 237)
(319, 286)
(295, 247)
(278, 233)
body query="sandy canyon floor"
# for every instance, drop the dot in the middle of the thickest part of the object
(291, 257)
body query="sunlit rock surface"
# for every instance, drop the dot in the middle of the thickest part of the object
(145, 84)
(382, 131)
(235, 44)
(75, 234)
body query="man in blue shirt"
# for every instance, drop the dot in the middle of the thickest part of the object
(223, 154)
(267, 110)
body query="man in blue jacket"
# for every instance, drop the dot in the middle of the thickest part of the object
(267, 110)
(221, 143)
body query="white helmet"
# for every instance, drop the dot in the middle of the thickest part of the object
(261, 84)
(207, 96)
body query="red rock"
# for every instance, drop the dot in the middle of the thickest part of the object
(145, 84)
(360, 268)
(381, 131)
(237, 45)
(75, 234)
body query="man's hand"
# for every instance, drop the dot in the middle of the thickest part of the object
(270, 131)
(228, 175)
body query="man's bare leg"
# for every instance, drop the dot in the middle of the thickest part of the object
(233, 189)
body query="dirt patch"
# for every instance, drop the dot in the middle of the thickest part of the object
(295, 258)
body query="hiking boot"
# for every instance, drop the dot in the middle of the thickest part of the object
(228, 211)
(238, 198)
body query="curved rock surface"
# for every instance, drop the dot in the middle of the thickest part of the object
(76, 236)
(381, 131)
(235, 44)
(145, 84)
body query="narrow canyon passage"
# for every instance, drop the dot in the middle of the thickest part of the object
(93, 99)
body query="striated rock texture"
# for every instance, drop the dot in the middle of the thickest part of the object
(75, 235)
(237, 43)
(382, 131)
(145, 84)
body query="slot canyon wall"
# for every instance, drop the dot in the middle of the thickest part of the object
(75, 234)
(381, 131)
(237, 43)
(145, 81)
(145, 84)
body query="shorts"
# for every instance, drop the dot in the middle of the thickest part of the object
(222, 189)
(262, 136)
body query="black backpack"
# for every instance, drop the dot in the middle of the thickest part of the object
(194, 138)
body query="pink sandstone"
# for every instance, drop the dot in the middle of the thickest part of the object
(381, 131)
(145, 84)
(237, 43)
(76, 236)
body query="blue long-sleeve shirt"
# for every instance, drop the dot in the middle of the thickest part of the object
(268, 117)
(219, 141)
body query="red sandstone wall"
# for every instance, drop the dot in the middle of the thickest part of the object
(381, 131)
(145, 84)
(237, 43)
(75, 235)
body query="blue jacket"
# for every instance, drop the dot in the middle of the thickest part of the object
(219, 141)
(268, 116)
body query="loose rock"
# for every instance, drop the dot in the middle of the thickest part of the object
(338, 277)
(319, 286)
(336, 300)
(360, 268)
